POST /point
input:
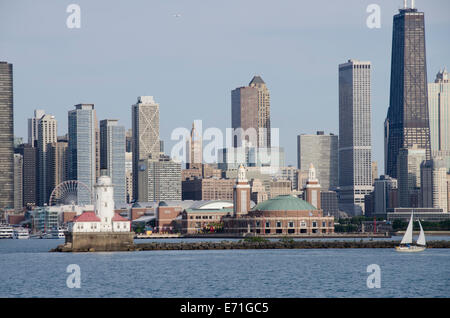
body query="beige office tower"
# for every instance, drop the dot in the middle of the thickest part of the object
(409, 161)
(18, 182)
(33, 126)
(433, 181)
(145, 125)
(129, 176)
(46, 136)
(374, 171)
(439, 113)
(194, 147)
(250, 108)
(57, 163)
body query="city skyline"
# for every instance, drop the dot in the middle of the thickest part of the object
(282, 82)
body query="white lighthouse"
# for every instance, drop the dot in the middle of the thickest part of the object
(104, 202)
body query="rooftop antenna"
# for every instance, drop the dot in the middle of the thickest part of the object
(404, 4)
(412, 4)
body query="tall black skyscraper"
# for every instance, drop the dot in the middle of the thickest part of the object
(6, 136)
(407, 121)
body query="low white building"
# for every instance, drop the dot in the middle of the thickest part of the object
(103, 219)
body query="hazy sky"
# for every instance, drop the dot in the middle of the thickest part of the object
(191, 63)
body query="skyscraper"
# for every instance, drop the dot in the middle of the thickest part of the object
(439, 112)
(82, 149)
(355, 145)
(57, 163)
(112, 156)
(159, 180)
(433, 187)
(407, 118)
(408, 167)
(46, 135)
(194, 148)
(18, 186)
(6, 136)
(250, 108)
(29, 172)
(33, 126)
(322, 151)
(145, 125)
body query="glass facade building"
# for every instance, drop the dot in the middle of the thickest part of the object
(82, 149)
(112, 156)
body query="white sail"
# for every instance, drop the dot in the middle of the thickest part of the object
(421, 239)
(407, 238)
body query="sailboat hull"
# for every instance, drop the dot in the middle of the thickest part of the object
(412, 248)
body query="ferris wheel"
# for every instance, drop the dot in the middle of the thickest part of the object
(71, 192)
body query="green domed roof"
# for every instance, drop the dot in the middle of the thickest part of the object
(284, 203)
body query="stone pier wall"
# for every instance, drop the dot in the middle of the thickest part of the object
(119, 241)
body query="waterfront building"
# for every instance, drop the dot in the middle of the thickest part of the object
(159, 180)
(423, 214)
(407, 122)
(250, 111)
(18, 182)
(433, 187)
(355, 145)
(146, 142)
(112, 156)
(6, 136)
(322, 151)
(409, 160)
(283, 215)
(82, 148)
(46, 135)
(439, 114)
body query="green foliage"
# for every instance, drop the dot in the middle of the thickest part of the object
(287, 239)
(345, 228)
(399, 225)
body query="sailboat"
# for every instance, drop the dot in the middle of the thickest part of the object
(406, 243)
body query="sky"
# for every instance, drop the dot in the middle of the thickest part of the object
(189, 55)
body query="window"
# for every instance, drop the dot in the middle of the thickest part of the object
(314, 223)
(324, 224)
(268, 224)
(278, 223)
(291, 224)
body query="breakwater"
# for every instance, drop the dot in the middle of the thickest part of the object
(225, 245)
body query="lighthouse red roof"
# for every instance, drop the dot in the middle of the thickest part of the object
(87, 216)
(117, 217)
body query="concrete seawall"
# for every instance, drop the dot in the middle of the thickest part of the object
(225, 245)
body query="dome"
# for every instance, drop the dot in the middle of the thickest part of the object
(284, 203)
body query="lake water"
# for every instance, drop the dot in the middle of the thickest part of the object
(27, 269)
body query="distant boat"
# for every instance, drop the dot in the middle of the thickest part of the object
(406, 243)
(58, 233)
(6, 231)
(21, 233)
